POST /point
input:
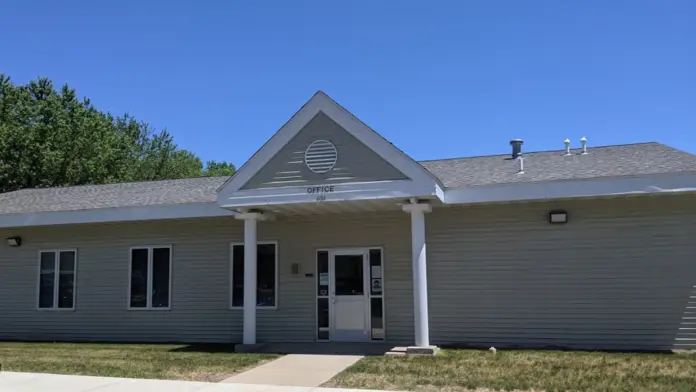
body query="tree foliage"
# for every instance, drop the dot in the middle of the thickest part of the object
(213, 169)
(50, 138)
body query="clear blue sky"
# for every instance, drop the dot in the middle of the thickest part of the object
(437, 78)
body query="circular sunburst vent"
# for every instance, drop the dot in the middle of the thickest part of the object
(321, 156)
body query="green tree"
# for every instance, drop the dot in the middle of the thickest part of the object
(218, 169)
(49, 138)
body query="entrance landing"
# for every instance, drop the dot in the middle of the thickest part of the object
(328, 348)
(297, 370)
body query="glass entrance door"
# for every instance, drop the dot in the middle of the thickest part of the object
(350, 295)
(348, 307)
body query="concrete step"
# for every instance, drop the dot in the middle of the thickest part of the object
(397, 352)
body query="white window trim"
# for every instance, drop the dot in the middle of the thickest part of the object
(149, 277)
(231, 272)
(56, 280)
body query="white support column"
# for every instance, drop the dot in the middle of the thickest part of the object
(420, 276)
(250, 269)
(249, 281)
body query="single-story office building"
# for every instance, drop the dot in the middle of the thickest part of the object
(329, 233)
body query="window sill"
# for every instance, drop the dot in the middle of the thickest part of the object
(149, 309)
(55, 309)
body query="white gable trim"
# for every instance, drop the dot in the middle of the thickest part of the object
(595, 187)
(424, 183)
(120, 214)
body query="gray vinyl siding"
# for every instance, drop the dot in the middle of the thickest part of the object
(618, 276)
(200, 286)
(356, 162)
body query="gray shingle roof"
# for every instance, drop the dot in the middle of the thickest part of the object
(609, 161)
(151, 193)
(624, 160)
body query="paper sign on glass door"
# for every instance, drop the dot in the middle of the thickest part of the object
(376, 286)
(323, 279)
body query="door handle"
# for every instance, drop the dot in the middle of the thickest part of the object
(333, 297)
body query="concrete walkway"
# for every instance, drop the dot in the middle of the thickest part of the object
(301, 370)
(36, 382)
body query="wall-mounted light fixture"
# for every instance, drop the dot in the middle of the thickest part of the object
(558, 217)
(14, 241)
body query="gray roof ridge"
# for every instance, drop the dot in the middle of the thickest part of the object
(540, 151)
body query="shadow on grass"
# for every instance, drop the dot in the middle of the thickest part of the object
(205, 348)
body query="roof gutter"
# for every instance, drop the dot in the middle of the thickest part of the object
(564, 189)
(118, 214)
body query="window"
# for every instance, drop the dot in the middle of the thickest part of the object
(57, 279)
(376, 294)
(150, 277)
(266, 275)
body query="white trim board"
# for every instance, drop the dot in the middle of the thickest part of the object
(120, 214)
(150, 276)
(56, 280)
(424, 183)
(595, 187)
(341, 192)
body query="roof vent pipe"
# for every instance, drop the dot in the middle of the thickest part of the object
(567, 146)
(583, 141)
(521, 162)
(516, 147)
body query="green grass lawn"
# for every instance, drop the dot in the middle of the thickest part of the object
(176, 362)
(460, 370)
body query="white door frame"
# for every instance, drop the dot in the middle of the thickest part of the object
(364, 252)
(323, 333)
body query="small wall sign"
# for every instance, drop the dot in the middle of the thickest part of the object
(320, 191)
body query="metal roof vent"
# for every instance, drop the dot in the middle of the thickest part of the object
(516, 147)
(321, 156)
(567, 146)
(583, 141)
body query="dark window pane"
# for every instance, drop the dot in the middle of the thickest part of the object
(238, 275)
(323, 312)
(46, 280)
(323, 273)
(323, 319)
(160, 277)
(66, 280)
(377, 321)
(375, 258)
(265, 275)
(349, 275)
(138, 291)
